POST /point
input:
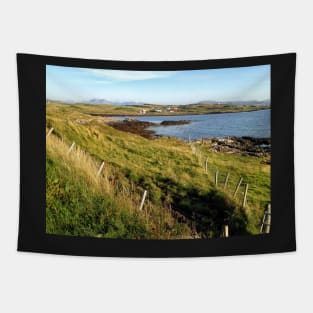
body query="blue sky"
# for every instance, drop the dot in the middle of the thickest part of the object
(158, 87)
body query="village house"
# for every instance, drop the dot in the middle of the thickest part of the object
(156, 110)
(172, 109)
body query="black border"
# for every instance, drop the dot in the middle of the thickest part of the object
(32, 100)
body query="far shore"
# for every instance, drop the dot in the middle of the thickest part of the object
(258, 147)
(174, 113)
(158, 110)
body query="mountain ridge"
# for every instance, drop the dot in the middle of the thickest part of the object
(103, 101)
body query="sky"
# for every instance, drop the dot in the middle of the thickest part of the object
(74, 84)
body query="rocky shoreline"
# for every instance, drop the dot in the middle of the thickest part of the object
(135, 126)
(170, 123)
(258, 147)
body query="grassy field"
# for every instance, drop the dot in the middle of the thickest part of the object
(151, 109)
(182, 200)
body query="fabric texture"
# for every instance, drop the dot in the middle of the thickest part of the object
(156, 159)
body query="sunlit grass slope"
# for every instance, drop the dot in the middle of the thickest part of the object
(182, 201)
(80, 203)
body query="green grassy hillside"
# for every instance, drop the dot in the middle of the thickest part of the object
(206, 108)
(182, 201)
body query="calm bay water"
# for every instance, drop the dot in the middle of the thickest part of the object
(253, 124)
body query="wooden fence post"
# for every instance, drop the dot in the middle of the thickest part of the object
(225, 232)
(71, 148)
(268, 220)
(245, 196)
(143, 200)
(206, 164)
(216, 178)
(226, 180)
(50, 132)
(237, 187)
(100, 169)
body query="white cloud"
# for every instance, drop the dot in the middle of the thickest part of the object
(122, 76)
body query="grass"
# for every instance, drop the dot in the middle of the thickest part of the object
(109, 110)
(79, 203)
(253, 170)
(182, 201)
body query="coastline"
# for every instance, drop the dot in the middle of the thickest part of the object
(180, 176)
(177, 114)
(245, 145)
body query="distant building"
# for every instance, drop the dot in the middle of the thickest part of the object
(156, 110)
(172, 109)
(142, 111)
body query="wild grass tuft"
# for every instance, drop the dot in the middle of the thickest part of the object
(182, 201)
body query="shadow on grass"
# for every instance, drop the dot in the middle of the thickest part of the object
(206, 212)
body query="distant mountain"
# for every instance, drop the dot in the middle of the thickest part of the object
(98, 101)
(104, 101)
(249, 102)
(135, 103)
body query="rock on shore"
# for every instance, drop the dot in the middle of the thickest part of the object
(169, 123)
(134, 126)
(259, 147)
